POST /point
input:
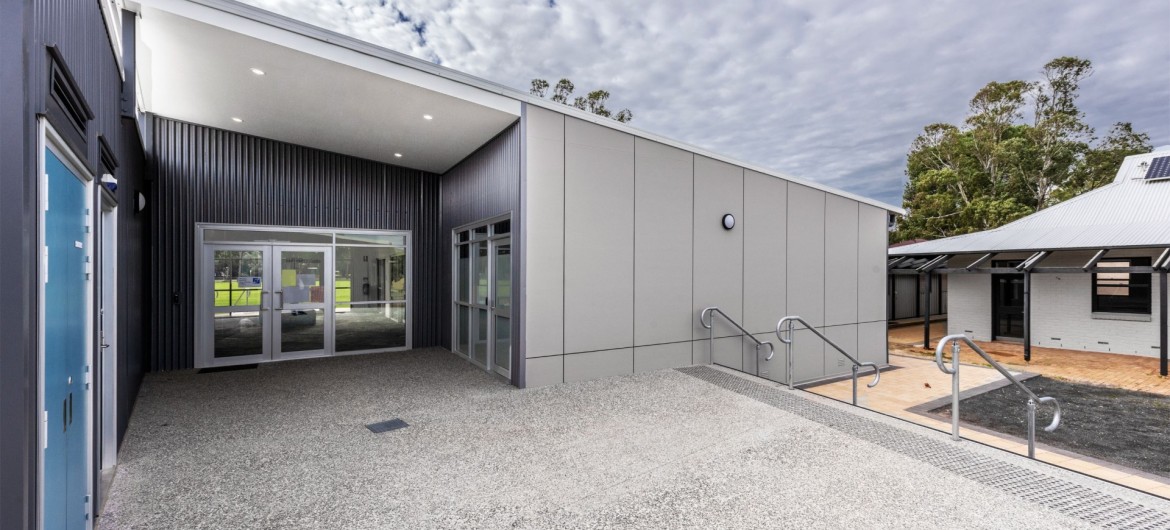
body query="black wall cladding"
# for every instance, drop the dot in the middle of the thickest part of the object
(207, 175)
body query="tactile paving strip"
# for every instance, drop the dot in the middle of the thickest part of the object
(1072, 499)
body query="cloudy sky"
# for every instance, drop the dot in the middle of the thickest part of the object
(828, 90)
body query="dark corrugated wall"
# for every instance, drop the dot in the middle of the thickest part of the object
(76, 30)
(207, 175)
(484, 185)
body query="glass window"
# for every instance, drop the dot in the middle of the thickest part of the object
(480, 233)
(265, 236)
(502, 227)
(481, 274)
(1122, 292)
(344, 238)
(463, 277)
(503, 278)
(464, 330)
(464, 236)
(360, 327)
(239, 277)
(369, 274)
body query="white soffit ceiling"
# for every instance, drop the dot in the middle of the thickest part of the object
(312, 93)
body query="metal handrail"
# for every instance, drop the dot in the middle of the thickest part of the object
(1033, 399)
(857, 365)
(709, 323)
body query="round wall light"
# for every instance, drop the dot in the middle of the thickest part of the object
(728, 221)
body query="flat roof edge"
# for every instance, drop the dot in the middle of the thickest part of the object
(304, 29)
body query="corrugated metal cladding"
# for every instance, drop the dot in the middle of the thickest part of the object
(206, 175)
(78, 33)
(485, 184)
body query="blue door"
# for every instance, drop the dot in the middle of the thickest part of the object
(65, 324)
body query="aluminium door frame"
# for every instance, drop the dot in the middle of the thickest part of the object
(205, 320)
(493, 306)
(203, 356)
(109, 382)
(49, 139)
(328, 311)
(454, 300)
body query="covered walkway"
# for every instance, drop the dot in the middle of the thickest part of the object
(285, 446)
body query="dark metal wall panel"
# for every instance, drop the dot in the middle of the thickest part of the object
(133, 272)
(76, 30)
(484, 185)
(18, 268)
(207, 175)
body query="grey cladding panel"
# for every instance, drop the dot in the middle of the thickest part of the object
(765, 222)
(663, 195)
(840, 260)
(662, 356)
(598, 364)
(599, 238)
(808, 356)
(806, 254)
(718, 256)
(729, 352)
(871, 342)
(845, 337)
(544, 267)
(871, 263)
(545, 371)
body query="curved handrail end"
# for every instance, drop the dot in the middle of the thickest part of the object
(1055, 416)
(877, 373)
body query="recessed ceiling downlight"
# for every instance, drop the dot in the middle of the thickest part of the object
(428, 117)
(397, 155)
(237, 120)
(257, 71)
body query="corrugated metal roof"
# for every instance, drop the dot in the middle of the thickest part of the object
(1129, 212)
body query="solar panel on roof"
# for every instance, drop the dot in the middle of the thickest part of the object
(1159, 168)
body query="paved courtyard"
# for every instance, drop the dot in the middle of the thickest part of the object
(1131, 372)
(285, 446)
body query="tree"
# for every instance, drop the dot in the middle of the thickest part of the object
(997, 167)
(593, 102)
(1099, 166)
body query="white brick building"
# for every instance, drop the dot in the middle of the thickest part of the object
(1086, 274)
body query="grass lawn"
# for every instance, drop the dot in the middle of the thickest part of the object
(228, 294)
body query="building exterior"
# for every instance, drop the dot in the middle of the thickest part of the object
(203, 184)
(1085, 274)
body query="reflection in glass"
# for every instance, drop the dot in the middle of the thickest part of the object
(211, 235)
(503, 278)
(479, 347)
(503, 345)
(464, 275)
(369, 274)
(344, 238)
(302, 330)
(464, 329)
(481, 274)
(239, 333)
(369, 326)
(239, 277)
(300, 277)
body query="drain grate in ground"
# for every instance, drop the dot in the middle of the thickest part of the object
(1066, 497)
(387, 426)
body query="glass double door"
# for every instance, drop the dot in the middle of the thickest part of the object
(484, 304)
(269, 302)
